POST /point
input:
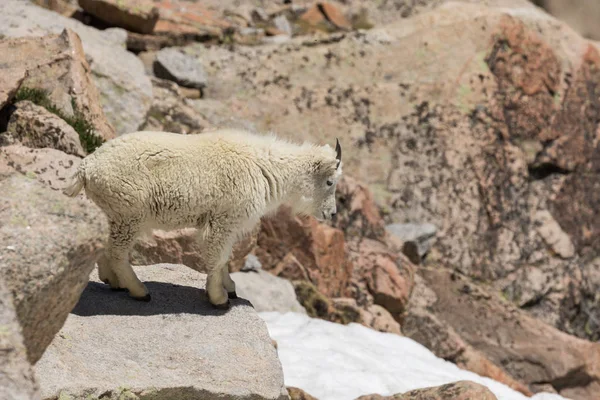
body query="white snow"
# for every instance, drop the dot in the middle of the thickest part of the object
(342, 362)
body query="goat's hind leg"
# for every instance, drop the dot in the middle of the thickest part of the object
(122, 235)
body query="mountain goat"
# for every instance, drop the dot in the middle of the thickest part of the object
(221, 182)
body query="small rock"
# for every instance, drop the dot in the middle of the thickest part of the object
(34, 126)
(335, 16)
(557, 239)
(134, 15)
(531, 284)
(323, 15)
(174, 65)
(373, 316)
(259, 15)
(282, 23)
(251, 31)
(252, 263)
(380, 319)
(417, 239)
(299, 394)
(273, 31)
(389, 277)
(461, 390)
(277, 39)
(267, 292)
(181, 20)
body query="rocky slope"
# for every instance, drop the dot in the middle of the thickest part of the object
(450, 117)
(476, 122)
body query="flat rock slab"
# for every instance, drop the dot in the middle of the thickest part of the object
(173, 347)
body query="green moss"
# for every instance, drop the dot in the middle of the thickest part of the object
(64, 396)
(316, 304)
(84, 128)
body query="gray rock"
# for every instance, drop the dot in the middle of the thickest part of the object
(118, 36)
(173, 347)
(282, 23)
(125, 90)
(17, 381)
(34, 126)
(267, 292)
(251, 264)
(250, 31)
(417, 238)
(172, 64)
(557, 239)
(49, 245)
(259, 15)
(277, 39)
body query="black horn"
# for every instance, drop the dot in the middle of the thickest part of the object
(338, 151)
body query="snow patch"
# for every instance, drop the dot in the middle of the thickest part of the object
(342, 362)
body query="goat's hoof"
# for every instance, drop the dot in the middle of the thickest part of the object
(145, 298)
(224, 306)
(232, 295)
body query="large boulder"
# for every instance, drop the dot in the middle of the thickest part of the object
(17, 380)
(482, 141)
(295, 247)
(529, 350)
(125, 91)
(111, 346)
(34, 126)
(50, 244)
(422, 325)
(57, 65)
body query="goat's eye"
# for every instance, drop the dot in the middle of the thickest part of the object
(329, 183)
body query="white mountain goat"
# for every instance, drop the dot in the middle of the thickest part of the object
(221, 182)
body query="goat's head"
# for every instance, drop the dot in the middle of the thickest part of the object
(318, 197)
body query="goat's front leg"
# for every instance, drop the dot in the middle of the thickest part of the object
(228, 283)
(217, 250)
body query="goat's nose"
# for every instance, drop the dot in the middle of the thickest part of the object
(333, 216)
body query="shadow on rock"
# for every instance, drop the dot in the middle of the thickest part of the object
(167, 298)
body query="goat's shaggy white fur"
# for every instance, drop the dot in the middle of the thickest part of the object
(221, 182)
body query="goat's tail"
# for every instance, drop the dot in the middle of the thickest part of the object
(77, 182)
